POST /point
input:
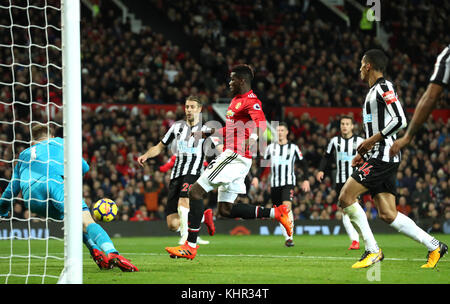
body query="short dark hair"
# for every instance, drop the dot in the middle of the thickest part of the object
(377, 59)
(346, 117)
(283, 124)
(196, 99)
(243, 71)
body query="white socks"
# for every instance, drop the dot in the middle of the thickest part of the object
(405, 225)
(272, 212)
(359, 219)
(183, 214)
(402, 224)
(351, 231)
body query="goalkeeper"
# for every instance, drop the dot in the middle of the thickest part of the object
(39, 174)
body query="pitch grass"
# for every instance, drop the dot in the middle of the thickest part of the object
(240, 260)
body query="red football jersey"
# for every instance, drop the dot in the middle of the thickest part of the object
(243, 115)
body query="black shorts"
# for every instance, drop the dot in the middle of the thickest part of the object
(281, 194)
(178, 187)
(377, 176)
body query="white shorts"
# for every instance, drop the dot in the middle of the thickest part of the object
(227, 173)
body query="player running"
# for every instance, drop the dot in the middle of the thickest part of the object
(227, 172)
(39, 174)
(383, 117)
(344, 149)
(187, 167)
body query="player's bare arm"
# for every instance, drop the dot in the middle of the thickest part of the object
(368, 144)
(152, 152)
(357, 160)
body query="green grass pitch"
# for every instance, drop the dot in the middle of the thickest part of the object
(239, 260)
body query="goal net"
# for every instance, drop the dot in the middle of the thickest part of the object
(33, 243)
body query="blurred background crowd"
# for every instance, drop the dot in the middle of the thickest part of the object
(300, 56)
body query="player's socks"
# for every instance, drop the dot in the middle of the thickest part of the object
(405, 225)
(96, 233)
(272, 213)
(262, 212)
(183, 213)
(359, 218)
(97, 254)
(90, 244)
(194, 220)
(246, 211)
(351, 231)
(192, 236)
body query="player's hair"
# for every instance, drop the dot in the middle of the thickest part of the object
(346, 117)
(243, 71)
(377, 59)
(40, 130)
(196, 99)
(283, 124)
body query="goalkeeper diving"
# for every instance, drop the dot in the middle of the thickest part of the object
(39, 174)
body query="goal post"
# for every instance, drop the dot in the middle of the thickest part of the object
(40, 76)
(73, 181)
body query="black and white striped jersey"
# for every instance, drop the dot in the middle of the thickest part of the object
(441, 72)
(282, 159)
(382, 112)
(343, 150)
(189, 151)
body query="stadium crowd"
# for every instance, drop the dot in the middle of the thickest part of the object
(299, 57)
(112, 141)
(299, 60)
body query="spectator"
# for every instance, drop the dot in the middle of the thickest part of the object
(403, 207)
(140, 215)
(371, 212)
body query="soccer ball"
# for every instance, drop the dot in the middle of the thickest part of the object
(105, 210)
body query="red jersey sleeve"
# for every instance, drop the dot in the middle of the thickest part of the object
(256, 113)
